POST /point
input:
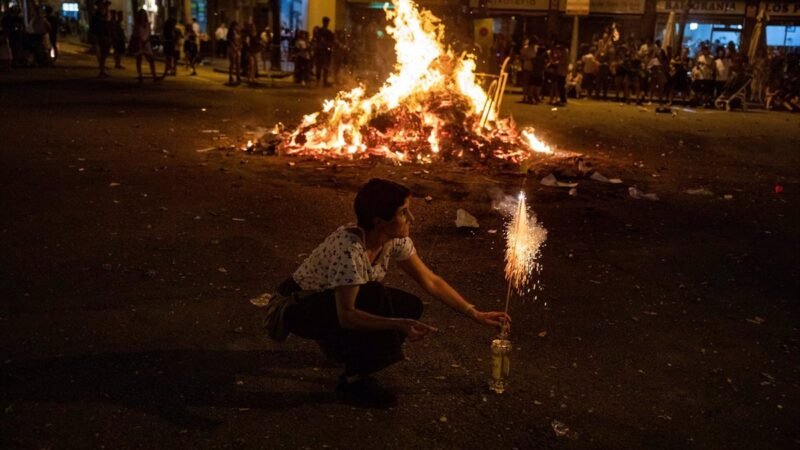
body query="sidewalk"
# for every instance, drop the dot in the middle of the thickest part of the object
(71, 44)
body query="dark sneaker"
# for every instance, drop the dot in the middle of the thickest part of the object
(273, 321)
(365, 393)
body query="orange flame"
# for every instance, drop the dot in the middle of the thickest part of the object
(428, 108)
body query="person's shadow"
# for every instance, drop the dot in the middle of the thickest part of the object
(169, 383)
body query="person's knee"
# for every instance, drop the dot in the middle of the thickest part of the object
(414, 307)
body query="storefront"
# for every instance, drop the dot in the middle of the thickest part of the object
(783, 25)
(626, 14)
(714, 22)
(510, 18)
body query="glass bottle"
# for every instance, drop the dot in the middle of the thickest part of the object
(501, 364)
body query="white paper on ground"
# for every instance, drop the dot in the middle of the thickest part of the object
(465, 219)
(700, 191)
(552, 181)
(597, 176)
(637, 194)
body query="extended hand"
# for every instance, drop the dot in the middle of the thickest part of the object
(414, 329)
(493, 318)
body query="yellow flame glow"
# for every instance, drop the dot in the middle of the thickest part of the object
(425, 73)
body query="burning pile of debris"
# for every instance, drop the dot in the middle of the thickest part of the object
(431, 108)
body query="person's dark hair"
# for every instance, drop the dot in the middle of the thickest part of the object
(379, 199)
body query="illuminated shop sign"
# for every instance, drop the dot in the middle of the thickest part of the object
(703, 7)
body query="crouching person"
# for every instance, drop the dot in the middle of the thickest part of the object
(337, 297)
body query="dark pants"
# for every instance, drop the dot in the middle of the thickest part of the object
(561, 82)
(589, 83)
(601, 85)
(363, 352)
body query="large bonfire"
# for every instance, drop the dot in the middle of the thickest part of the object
(430, 108)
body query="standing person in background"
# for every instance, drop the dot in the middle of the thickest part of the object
(221, 36)
(40, 37)
(759, 70)
(253, 43)
(562, 69)
(100, 29)
(603, 71)
(266, 44)
(190, 49)
(141, 46)
(538, 67)
(55, 23)
(526, 55)
(590, 69)
(302, 57)
(722, 71)
(118, 39)
(234, 53)
(323, 49)
(170, 38)
(195, 27)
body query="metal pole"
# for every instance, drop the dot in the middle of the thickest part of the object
(573, 48)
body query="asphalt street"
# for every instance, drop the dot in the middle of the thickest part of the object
(135, 232)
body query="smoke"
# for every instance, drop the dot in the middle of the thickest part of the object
(506, 204)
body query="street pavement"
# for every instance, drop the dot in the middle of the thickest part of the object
(135, 233)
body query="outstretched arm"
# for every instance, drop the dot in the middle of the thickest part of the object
(441, 290)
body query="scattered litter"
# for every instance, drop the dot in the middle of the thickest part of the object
(637, 194)
(203, 109)
(443, 419)
(222, 270)
(542, 333)
(700, 191)
(237, 219)
(597, 176)
(778, 188)
(113, 184)
(291, 163)
(553, 109)
(562, 430)
(492, 231)
(757, 320)
(429, 199)
(665, 417)
(728, 197)
(465, 219)
(552, 181)
(689, 110)
(207, 149)
(209, 131)
(584, 167)
(573, 192)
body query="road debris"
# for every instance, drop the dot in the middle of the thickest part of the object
(552, 181)
(634, 192)
(700, 191)
(465, 219)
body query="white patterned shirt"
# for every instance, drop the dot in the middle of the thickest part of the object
(342, 260)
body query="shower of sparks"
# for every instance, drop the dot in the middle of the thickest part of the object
(524, 239)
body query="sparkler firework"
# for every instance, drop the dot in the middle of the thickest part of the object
(524, 239)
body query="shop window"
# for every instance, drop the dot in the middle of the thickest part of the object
(776, 35)
(792, 37)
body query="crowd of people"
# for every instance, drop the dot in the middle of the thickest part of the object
(34, 43)
(606, 68)
(631, 71)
